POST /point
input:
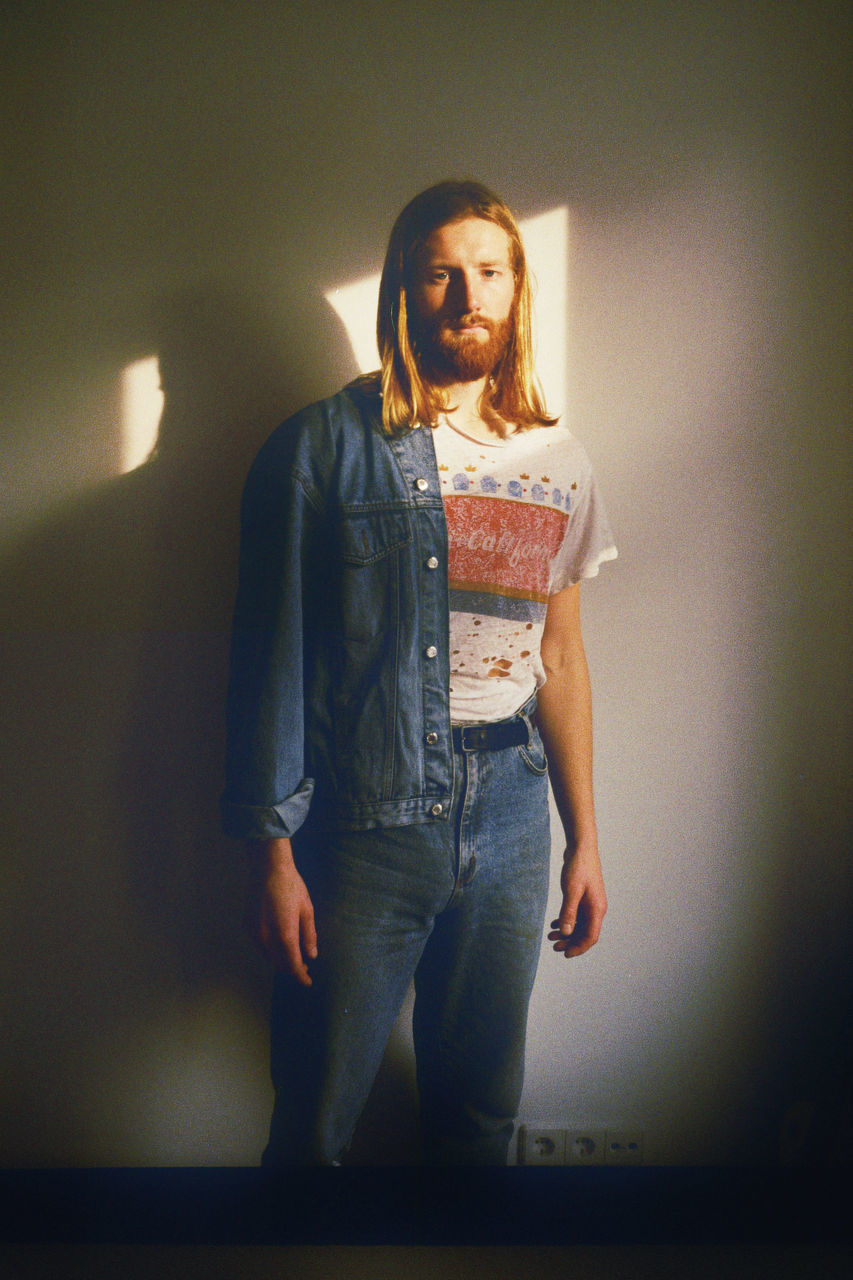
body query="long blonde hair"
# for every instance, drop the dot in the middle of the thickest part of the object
(512, 394)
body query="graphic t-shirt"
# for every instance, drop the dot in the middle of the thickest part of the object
(524, 520)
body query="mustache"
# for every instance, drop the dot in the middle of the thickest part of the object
(468, 321)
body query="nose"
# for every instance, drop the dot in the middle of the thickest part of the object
(467, 292)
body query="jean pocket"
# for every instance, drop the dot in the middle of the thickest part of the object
(533, 754)
(366, 537)
(374, 554)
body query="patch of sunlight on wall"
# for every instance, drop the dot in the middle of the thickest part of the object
(546, 244)
(142, 402)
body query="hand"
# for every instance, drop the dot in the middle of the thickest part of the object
(584, 903)
(279, 913)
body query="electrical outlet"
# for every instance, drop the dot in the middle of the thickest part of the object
(623, 1146)
(541, 1146)
(585, 1146)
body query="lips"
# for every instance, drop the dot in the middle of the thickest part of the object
(481, 326)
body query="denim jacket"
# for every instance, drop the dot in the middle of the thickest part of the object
(339, 685)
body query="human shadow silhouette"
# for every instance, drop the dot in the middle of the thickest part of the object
(115, 631)
(225, 387)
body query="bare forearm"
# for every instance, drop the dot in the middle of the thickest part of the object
(564, 719)
(267, 854)
(564, 716)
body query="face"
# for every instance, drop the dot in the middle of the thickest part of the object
(464, 290)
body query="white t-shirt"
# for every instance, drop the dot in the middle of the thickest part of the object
(524, 520)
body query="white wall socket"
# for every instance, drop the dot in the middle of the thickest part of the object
(546, 1145)
(541, 1146)
(623, 1146)
(585, 1146)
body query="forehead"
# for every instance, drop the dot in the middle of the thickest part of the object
(468, 240)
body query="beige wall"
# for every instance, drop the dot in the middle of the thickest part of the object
(187, 181)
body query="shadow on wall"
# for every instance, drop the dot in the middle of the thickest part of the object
(116, 616)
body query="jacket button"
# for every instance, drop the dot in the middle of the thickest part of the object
(436, 810)
(421, 484)
(431, 739)
(432, 563)
(431, 651)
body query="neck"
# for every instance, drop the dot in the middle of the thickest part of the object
(463, 399)
(464, 411)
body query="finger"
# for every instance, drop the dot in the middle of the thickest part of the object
(283, 950)
(585, 936)
(569, 913)
(584, 932)
(264, 935)
(294, 961)
(309, 934)
(578, 949)
(560, 936)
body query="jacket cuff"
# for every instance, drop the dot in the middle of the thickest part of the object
(268, 822)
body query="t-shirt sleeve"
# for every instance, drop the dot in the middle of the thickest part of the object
(588, 540)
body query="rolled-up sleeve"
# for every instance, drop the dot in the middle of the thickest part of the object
(267, 793)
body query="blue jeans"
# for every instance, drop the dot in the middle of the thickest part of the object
(458, 906)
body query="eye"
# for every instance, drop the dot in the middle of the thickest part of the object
(492, 273)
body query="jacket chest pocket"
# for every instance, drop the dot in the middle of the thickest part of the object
(372, 547)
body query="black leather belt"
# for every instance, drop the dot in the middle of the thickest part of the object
(489, 737)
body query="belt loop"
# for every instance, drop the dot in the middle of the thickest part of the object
(527, 713)
(528, 724)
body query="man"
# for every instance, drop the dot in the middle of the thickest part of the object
(407, 671)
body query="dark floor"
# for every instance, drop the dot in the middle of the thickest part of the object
(652, 1262)
(424, 1209)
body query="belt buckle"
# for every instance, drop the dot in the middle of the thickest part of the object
(478, 737)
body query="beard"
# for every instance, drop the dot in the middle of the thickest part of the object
(452, 355)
